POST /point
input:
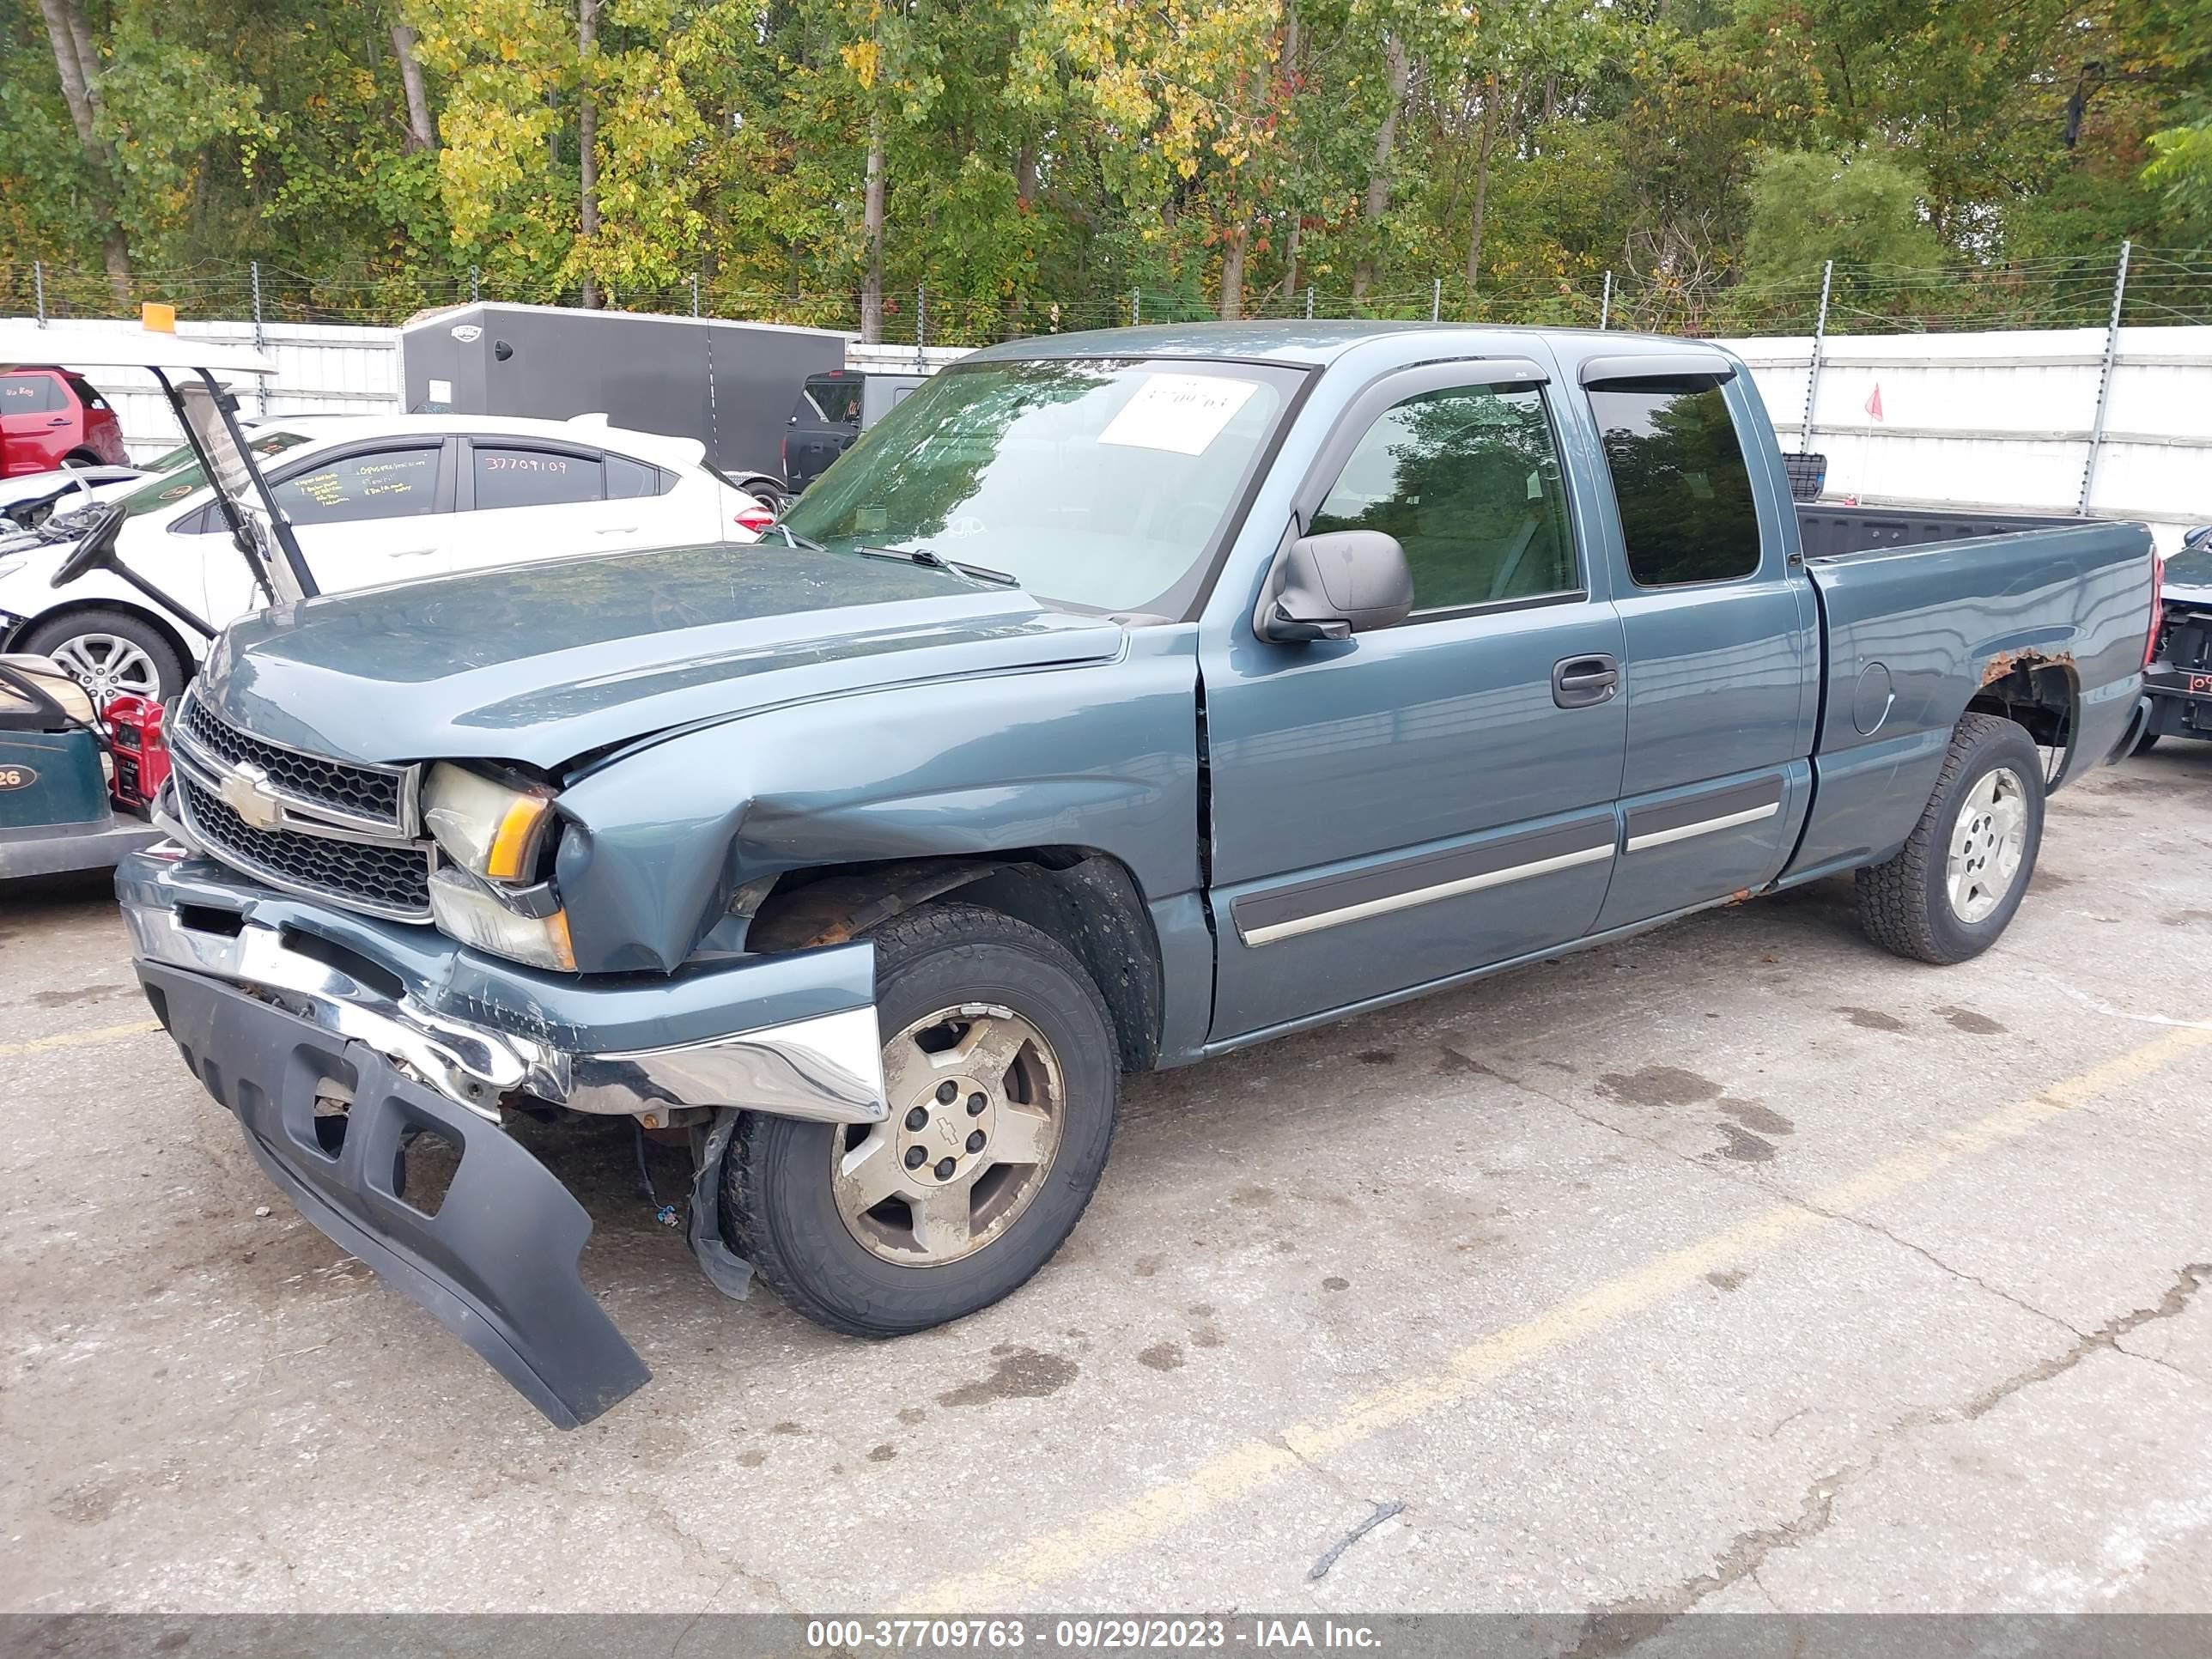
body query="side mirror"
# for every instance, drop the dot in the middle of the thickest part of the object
(1332, 586)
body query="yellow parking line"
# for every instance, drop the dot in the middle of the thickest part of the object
(79, 1039)
(1223, 1480)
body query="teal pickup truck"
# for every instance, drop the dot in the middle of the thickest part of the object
(1120, 699)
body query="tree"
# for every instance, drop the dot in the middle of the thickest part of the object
(78, 66)
(1864, 210)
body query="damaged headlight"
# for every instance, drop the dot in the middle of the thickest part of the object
(493, 895)
(468, 910)
(484, 826)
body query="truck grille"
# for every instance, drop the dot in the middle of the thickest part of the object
(372, 793)
(384, 878)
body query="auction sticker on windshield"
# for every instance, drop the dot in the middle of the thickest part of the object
(1183, 413)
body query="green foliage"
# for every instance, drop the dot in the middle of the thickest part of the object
(1866, 211)
(1043, 158)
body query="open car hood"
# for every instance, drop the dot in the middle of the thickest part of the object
(543, 663)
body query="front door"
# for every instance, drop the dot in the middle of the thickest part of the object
(1418, 801)
(363, 516)
(1718, 623)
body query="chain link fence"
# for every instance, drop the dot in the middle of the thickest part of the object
(2162, 286)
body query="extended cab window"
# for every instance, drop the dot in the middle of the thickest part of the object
(380, 483)
(535, 477)
(1467, 478)
(1678, 472)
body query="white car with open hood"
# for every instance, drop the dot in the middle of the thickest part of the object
(372, 500)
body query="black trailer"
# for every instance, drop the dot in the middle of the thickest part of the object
(729, 385)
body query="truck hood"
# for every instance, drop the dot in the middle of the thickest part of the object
(542, 663)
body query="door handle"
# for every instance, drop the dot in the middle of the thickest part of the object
(414, 553)
(1580, 681)
(615, 530)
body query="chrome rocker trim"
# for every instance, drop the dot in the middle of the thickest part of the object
(828, 1069)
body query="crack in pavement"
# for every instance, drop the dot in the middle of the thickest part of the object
(2192, 1279)
(1959, 1274)
(1772, 1188)
(1618, 1626)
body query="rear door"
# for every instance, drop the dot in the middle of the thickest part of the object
(1419, 801)
(521, 500)
(36, 423)
(823, 424)
(1719, 632)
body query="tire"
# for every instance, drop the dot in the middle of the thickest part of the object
(772, 495)
(82, 641)
(781, 1208)
(1907, 904)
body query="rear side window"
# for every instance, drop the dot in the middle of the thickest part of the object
(535, 477)
(1686, 511)
(627, 479)
(31, 394)
(831, 398)
(87, 393)
(381, 483)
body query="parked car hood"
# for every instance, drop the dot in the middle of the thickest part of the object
(543, 663)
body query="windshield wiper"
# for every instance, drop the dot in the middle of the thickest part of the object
(937, 561)
(794, 539)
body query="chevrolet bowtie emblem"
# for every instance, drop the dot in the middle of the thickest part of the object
(245, 791)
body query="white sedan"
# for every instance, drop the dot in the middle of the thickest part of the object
(374, 500)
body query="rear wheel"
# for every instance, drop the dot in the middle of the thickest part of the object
(110, 653)
(1952, 888)
(1002, 1077)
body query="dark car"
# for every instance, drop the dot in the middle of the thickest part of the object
(835, 407)
(2177, 679)
(50, 418)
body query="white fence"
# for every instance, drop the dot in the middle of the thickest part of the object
(2002, 420)
(321, 369)
(2006, 420)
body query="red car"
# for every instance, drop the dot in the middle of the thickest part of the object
(50, 418)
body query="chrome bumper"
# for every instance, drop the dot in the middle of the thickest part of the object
(826, 1069)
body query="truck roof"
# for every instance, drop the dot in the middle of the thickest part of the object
(1306, 344)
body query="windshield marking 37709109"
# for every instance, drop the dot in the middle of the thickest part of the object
(1097, 482)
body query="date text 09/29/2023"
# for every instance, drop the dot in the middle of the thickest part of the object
(1094, 1634)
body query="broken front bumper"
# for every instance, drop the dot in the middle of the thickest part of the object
(335, 1040)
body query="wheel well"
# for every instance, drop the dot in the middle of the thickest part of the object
(83, 457)
(78, 607)
(1086, 900)
(2036, 693)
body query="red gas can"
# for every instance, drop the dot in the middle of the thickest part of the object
(141, 752)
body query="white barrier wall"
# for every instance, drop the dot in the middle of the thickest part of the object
(2004, 420)
(1998, 421)
(321, 369)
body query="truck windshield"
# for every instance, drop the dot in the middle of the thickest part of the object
(1097, 482)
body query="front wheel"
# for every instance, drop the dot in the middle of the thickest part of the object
(1001, 1073)
(1952, 889)
(110, 653)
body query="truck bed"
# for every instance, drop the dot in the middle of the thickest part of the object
(1914, 631)
(1826, 529)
